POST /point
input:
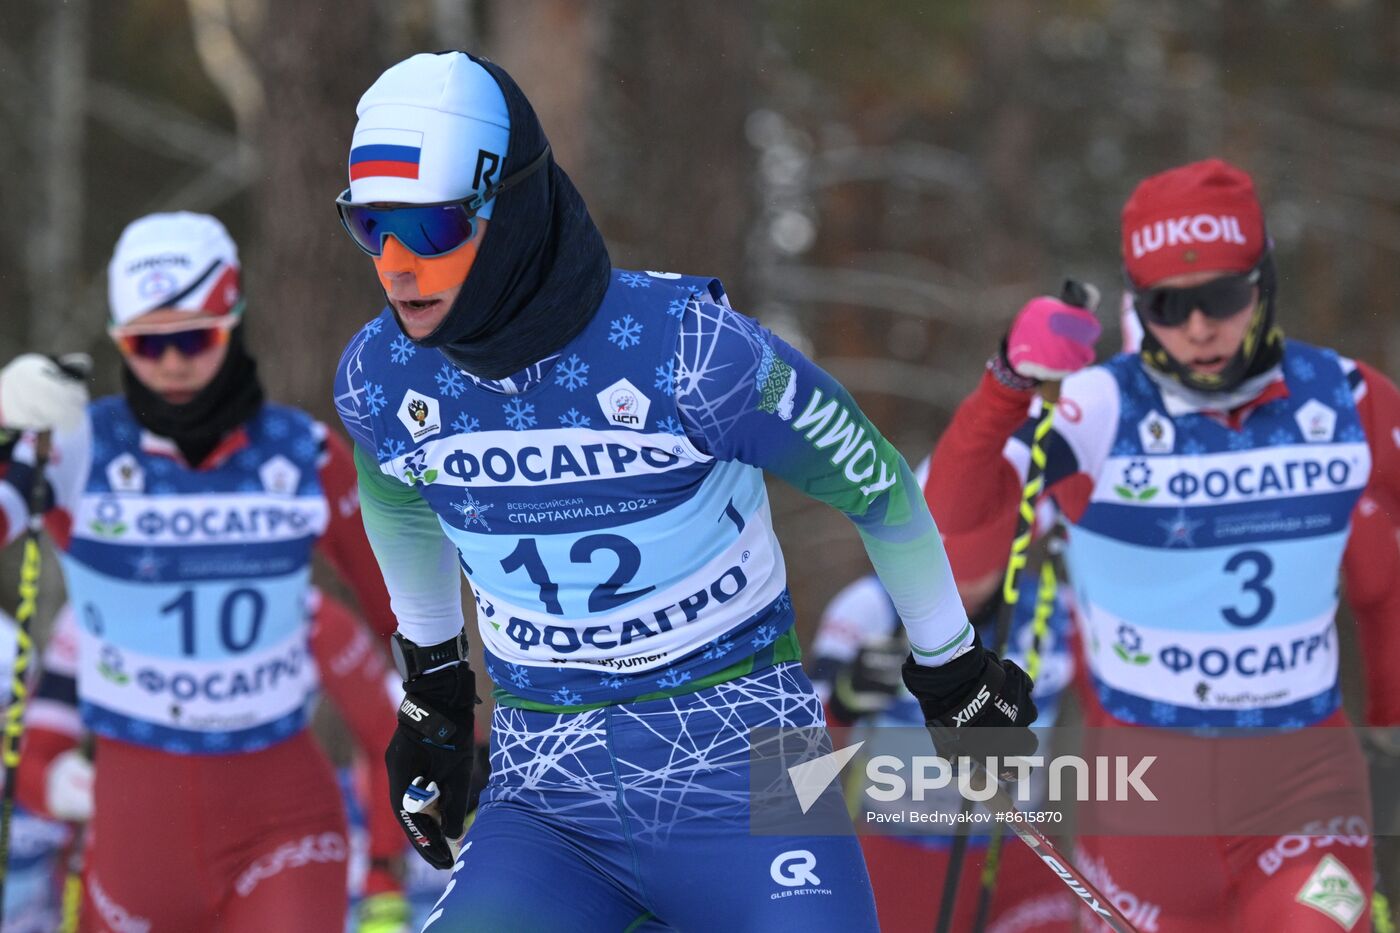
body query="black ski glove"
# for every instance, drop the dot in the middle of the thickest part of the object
(434, 745)
(973, 690)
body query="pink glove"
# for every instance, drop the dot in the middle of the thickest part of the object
(1050, 339)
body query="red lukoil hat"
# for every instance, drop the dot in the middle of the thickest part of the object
(1198, 217)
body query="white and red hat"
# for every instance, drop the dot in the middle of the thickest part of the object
(1198, 217)
(432, 128)
(180, 260)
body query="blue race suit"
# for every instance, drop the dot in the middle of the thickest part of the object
(608, 507)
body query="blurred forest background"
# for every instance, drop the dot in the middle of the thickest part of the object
(884, 182)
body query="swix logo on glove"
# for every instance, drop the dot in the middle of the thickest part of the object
(433, 726)
(416, 713)
(964, 715)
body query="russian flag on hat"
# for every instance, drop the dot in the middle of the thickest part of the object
(385, 152)
(434, 127)
(179, 260)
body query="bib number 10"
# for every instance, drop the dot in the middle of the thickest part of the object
(240, 619)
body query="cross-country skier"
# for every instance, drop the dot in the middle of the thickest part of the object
(185, 511)
(855, 667)
(56, 777)
(588, 445)
(1210, 479)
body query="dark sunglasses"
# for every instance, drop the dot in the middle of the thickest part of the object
(425, 230)
(1218, 299)
(190, 341)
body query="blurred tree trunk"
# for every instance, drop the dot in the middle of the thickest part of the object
(309, 288)
(54, 244)
(645, 105)
(1013, 144)
(454, 22)
(550, 47)
(54, 254)
(679, 83)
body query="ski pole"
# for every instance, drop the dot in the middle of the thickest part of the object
(423, 796)
(24, 653)
(1002, 805)
(991, 865)
(1081, 295)
(1040, 626)
(71, 906)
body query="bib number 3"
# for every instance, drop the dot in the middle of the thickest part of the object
(1255, 567)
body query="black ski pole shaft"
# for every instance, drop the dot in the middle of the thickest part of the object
(1044, 608)
(956, 856)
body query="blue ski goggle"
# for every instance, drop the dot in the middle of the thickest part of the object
(425, 230)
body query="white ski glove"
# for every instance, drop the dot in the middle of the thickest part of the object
(38, 393)
(68, 787)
